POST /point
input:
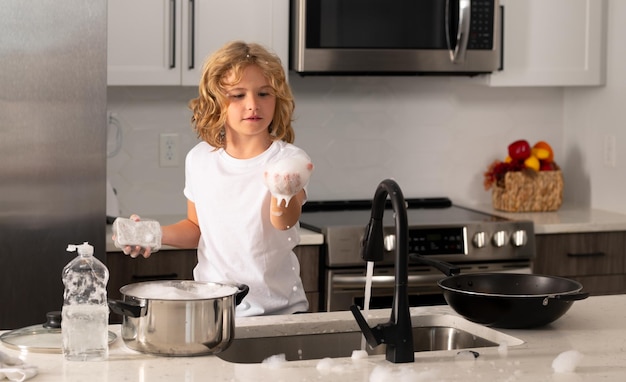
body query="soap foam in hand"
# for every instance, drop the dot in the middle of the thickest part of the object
(287, 177)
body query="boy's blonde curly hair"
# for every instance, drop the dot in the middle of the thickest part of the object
(209, 108)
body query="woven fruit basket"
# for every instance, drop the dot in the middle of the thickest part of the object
(526, 191)
(528, 180)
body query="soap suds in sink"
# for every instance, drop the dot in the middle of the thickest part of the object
(567, 361)
(503, 350)
(328, 365)
(403, 373)
(275, 361)
(359, 354)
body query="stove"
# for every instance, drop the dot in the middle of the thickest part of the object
(472, 240)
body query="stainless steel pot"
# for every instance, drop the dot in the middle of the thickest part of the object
(178, 317)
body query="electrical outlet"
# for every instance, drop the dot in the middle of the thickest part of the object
(609, 151)
(169, 150)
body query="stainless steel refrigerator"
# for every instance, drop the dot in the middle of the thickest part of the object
(52, 148)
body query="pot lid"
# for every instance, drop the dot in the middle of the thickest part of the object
(178, 290)
(41, 338)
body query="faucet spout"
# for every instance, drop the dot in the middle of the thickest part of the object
(397, 334)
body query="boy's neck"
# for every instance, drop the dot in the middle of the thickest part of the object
(247, 148)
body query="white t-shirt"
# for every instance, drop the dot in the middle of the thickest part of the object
(238, 243)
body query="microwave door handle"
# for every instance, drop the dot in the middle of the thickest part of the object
(457, 56)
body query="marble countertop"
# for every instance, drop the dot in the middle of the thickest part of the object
(594, 327)
(568, 219)
(307, 237)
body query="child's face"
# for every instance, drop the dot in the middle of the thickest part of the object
(251, 105)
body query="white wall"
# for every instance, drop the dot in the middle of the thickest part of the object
(434, 135)
(142, 113)
(593, 114)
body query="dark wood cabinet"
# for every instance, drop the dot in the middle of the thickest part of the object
(595, 259)
(179, 264)
(309, 258)
(163, 265)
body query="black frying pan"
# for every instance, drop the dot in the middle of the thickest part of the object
(506, 300)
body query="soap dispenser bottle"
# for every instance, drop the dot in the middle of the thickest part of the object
(85, 313)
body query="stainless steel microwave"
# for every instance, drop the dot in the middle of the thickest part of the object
(395, 36)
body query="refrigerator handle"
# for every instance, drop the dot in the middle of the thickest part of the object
(172, 41)
(191, 53)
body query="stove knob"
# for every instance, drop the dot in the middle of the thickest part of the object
(479, 240)
(389, 242)
(499, 239)
(519, 238)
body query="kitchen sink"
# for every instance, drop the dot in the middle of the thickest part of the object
(430, 333)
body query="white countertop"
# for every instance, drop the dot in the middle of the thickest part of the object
(595, 327)
(568, 219)
(307, 237)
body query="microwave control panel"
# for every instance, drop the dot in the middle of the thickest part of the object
(481, 25)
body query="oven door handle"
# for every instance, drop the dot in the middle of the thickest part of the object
(358, 281)
(446, 268)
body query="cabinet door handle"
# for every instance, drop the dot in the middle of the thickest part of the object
(587, 254)
(165, 276)
(172, 41)
(191, 22)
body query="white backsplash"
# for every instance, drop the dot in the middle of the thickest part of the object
(434, 135)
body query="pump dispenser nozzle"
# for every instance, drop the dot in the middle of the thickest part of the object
(84, 249)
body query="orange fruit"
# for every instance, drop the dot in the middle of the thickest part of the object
(542, 154)
(538, 150)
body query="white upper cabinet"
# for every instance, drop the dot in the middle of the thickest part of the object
(142, 48)
(220, 21)
(553, 43)
(165, 42)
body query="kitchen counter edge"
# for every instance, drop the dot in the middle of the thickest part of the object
(568, 219)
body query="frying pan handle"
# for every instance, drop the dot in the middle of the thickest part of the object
(572, 296)
(446, 268)
(567, 297)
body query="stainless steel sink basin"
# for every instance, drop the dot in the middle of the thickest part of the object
(430, 333)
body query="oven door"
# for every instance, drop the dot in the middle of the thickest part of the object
(346, 287)
(404, 36)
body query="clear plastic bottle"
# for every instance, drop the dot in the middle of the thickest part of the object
(85, 314)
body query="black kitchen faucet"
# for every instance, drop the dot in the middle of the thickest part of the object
(397, 333)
